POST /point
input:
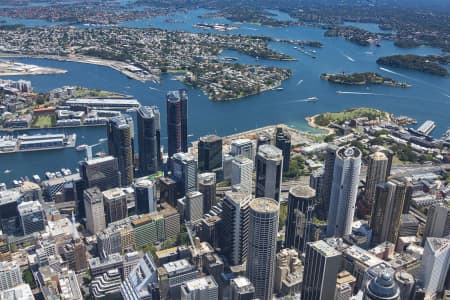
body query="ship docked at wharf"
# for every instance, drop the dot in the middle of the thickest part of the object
(36, 142)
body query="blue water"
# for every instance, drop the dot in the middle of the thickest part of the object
(372, 27)
(427, 99)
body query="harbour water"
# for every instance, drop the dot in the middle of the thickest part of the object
(427, 99)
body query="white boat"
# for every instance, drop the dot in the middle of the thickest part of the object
(312, 99)
(82, 147)
(7, 171)
(36, 178)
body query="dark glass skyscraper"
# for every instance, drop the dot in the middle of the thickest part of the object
(149, 139)
(209, 153)
(120, 133)
(177, 121)
(283, 142)
(300, 210)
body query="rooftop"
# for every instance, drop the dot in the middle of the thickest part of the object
(264, 205)
(325, 249)
(302, 191)
(113, 193)
(270, 152)
(201, 283)
(148, 112)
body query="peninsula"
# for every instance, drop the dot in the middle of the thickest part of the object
(362, 79)
(427, 64)
(145, 54)
(12, 68)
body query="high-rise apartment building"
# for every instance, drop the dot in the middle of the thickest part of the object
(184, 172)
(299, 217)
(120, 133)
(327, 180)
(322, 263)
(177, 121)
(438, 222)
(376, 174)
(241, 174)
(435, 265)
(207, 186)
(243, 147)
(149, 140)
(283, 142)
(102, 172)
(269, 172)
(347, 166)
(168, 191)
(95, 212)
(262, 240)
(387, 211)
(115, 202)
(209, 153)
(32, 217)
(235, 218)
(145, 195)
(10, 275)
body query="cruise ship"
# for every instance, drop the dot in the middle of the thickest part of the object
(36, 142)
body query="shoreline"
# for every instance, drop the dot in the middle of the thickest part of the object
(12, 130)
(119, 66)
(11, 68)
(312, 123)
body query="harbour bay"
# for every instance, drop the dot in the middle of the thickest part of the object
(428, 98)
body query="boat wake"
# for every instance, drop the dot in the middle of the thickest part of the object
(299, 82)
(359, 93)
(393, 72)
(446, 95)
(155, 89)
(347, 57)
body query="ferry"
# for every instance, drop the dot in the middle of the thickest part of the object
(312, 99)
(81, 147)
(36, 178)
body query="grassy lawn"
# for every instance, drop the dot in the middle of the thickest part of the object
(326, 118)
(83, 92)
(43, 121)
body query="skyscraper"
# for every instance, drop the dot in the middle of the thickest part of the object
(177, 121)
(376, 174)
(322, 263)
(438, 222)
(283, 142)
(149, 139)
(299, 217)
(243, 147)
(145, 195)
(262, 240)
(95, 213)
(235, 217)
(269, 172)
(264, 138)
(241, 174)
(435, 265)
(32, 217)
(387, 211)
(184, 172)
(120, 133)
(327, 180)
(344, 190)
(168, 191)
(102, 172)
(193, 206)
(115, 202)
(207, 186)
(209, 153)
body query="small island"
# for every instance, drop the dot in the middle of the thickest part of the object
(362, 79)
(427, 64)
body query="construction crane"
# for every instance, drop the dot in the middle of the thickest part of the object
(90, 147)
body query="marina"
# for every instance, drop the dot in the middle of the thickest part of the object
(37, 142)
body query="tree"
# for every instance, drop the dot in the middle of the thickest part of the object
(283, 215)
(28, 278)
